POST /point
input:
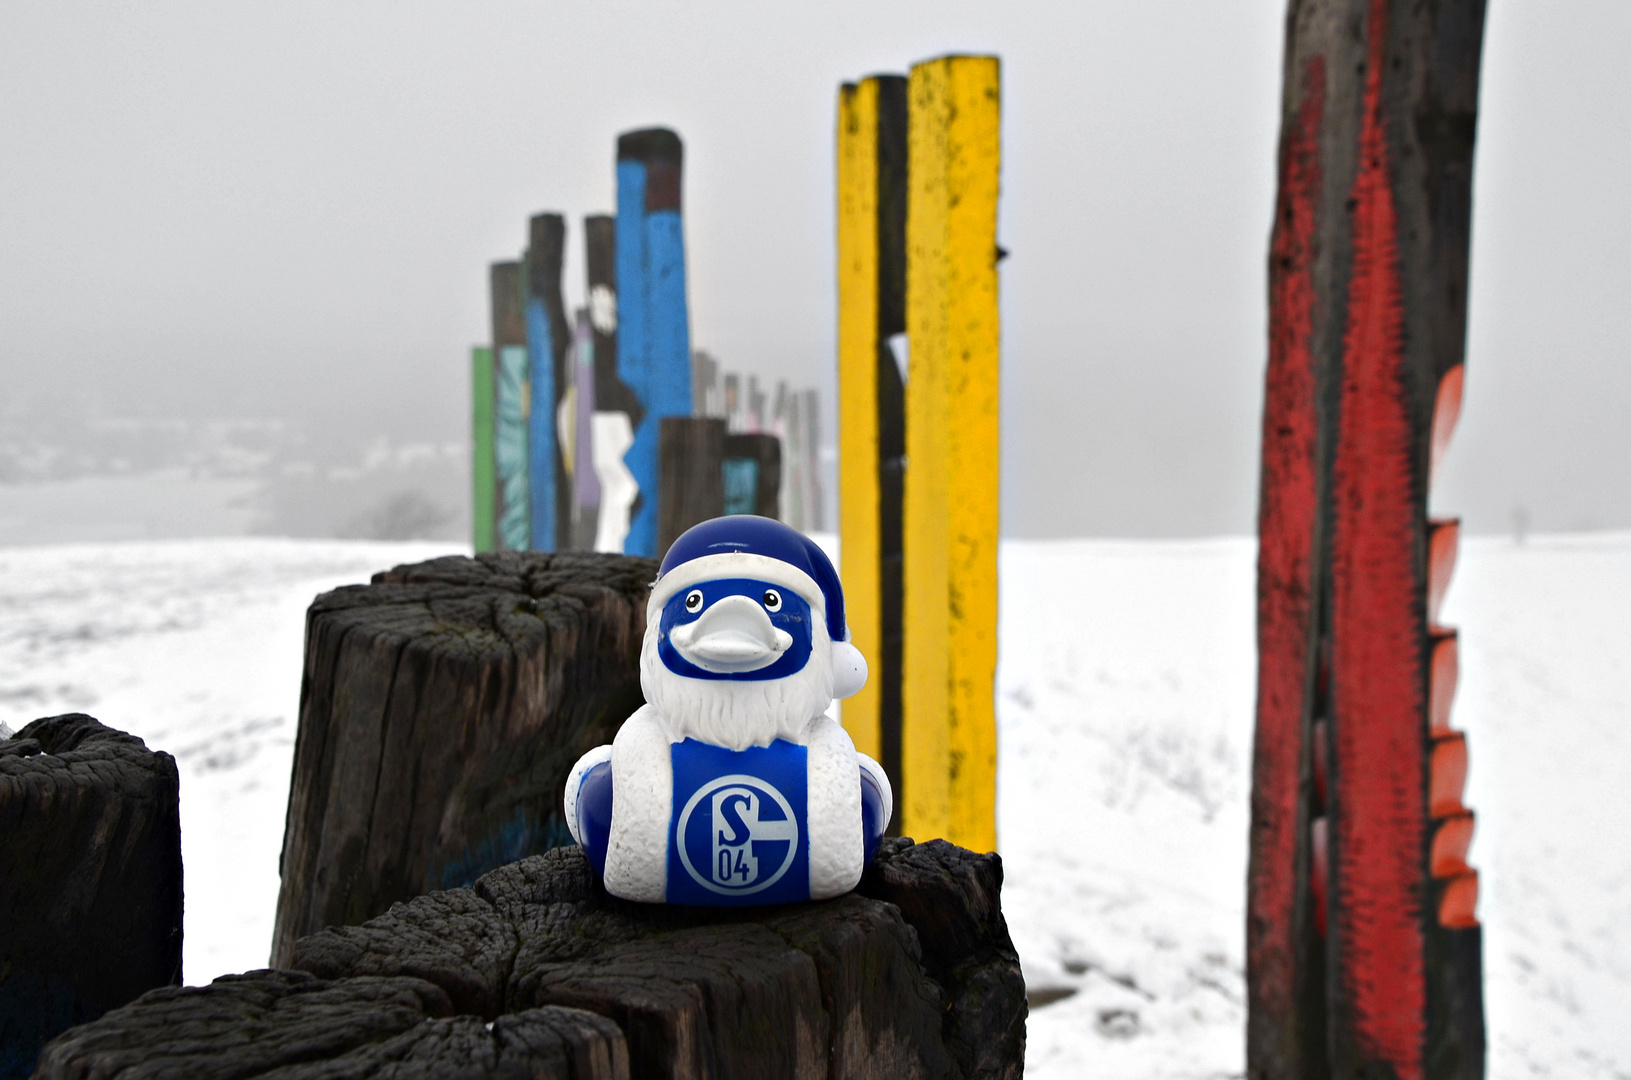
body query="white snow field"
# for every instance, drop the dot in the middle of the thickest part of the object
(1125, 706)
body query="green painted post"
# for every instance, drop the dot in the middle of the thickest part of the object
(481, 450)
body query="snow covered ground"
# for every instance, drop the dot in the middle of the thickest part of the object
(1124, 699)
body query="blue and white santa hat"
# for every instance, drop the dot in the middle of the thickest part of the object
(749, 546)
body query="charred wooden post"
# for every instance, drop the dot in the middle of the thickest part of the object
(912, 975)
(302, 1028)
(1363, 949)
(90, 879)
(691, 475)
(441, 709)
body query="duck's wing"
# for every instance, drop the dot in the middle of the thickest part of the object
(589, 804)
(877, 804)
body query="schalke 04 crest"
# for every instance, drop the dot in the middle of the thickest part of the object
(739, 825)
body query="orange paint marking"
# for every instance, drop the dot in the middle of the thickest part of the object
(1451, 840)
(1447, 776)
(1446, 675)
(1458, 904)
(1446, 411)
(1443, 542)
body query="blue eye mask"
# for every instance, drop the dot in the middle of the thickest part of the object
(735, 628)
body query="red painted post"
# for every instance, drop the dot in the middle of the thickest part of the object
(1363, 948)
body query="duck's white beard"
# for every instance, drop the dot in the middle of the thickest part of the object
(738, 713)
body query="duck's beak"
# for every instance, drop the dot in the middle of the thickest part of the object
(734, 634)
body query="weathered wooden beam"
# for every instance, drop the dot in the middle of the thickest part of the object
(1374, 971)
(948, 719)
(483, 517)
(90, 879)
(913, 974)
(512, 530)
(610, 435)
(653, 337)
(549, 341)
(871, 399)
(796, 420)
(296, 1026)
(810, 420)
(585, 484)
(753, 470)
(441, 709)
(691, 481)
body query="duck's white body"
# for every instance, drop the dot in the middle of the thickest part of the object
(637, 857)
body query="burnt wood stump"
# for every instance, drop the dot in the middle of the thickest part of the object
(288, 1025)
(442, 707)
(536, 971)
(90, 879)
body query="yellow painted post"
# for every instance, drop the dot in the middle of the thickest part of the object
(949, 735)
(858, 394)
(872, 413)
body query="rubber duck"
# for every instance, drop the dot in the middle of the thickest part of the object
(731, 785)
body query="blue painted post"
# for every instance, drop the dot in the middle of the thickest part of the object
(549, 337)
(654, 336)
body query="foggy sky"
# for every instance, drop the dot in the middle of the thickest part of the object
(287, 209)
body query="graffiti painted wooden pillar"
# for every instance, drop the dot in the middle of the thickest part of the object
(871, 399)
(1363, 950)
(585, 485)
(653, 334)
(549, 338)
(617, 411)
(949, 656)
(512, 406)
(482, 516)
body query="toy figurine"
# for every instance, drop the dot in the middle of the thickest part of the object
(731, 785)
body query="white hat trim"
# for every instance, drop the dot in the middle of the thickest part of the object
(737, 564)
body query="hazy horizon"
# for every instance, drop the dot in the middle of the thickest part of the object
(282, 215)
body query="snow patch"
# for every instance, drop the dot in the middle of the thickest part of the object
(1124, 706)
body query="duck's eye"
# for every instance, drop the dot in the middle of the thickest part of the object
(773, 600)
(693, 600)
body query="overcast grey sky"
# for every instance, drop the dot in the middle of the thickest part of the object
(287, 209)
